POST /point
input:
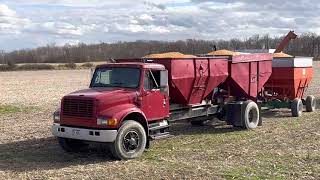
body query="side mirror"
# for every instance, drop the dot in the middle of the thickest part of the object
(164, 81)
(91, 75)
(91, 72)
(164, 78)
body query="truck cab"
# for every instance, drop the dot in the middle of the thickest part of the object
(117, 109)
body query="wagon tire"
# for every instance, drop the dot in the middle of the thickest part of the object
(72, 145)
(296, 107)
(130, 142)
(310, 104)
(251, 115)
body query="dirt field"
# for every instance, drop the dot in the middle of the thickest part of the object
(284, 147)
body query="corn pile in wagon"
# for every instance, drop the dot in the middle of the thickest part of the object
(223, 52)
(281, 55)
(170, 55)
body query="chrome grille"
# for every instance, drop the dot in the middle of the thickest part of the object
(82, 108)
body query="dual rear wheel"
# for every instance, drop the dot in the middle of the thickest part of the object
(251, 115)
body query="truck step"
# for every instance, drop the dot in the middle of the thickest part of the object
(159, 125)
(154, 128)
(161, 136)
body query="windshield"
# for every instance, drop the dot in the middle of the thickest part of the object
(116, 77)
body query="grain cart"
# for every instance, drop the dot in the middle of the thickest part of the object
(288, 83)
(134, 101)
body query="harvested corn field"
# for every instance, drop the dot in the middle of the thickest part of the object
(283, 148)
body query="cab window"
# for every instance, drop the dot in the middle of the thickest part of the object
(152, 80)
(116, 77)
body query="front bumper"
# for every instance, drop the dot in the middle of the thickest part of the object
(84, 134)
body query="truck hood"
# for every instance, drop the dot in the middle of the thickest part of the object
(107, 97)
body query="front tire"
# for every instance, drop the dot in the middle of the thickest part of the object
(296, 107)
(310, 104)
(72, 145)
(251, 115)
(130, 142)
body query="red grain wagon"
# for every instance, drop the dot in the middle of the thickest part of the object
(288, 83)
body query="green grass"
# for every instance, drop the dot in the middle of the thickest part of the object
(7, 109)
(286, 148)
(283, 148)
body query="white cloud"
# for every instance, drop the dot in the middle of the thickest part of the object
(135, 28)
(61, 29)
(47, 21)
(10, 22)
(131, 28)
(146, 17)
(5, 11)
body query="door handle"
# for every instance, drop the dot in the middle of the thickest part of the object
(164, 102)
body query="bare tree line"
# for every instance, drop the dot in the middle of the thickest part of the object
(306, 45)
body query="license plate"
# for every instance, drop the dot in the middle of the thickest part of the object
(75, 132)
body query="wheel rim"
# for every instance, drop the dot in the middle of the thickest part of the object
(253, 116)
(131, 141)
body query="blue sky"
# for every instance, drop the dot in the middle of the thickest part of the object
(33, 23)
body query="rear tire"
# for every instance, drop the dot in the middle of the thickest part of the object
(296, 107)
(72, 145)
(130, 142)
(310, 104)
(251, 116)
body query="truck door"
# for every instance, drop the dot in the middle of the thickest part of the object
(155, 104)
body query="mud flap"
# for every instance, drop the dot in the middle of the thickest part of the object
(260, 115)
(235, 112)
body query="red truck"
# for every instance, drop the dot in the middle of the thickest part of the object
(134, 101)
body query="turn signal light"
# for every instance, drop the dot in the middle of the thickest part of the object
(108, 122)
(112, 122)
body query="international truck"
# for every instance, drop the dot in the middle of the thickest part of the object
(134, 101)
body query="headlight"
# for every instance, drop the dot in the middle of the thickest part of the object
(107, 121)
(56, 116)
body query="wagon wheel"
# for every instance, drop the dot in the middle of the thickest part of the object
(310, 103)
(296, 107)
(251, 115)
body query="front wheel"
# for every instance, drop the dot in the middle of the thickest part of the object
(130, 142)
(251, 115)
